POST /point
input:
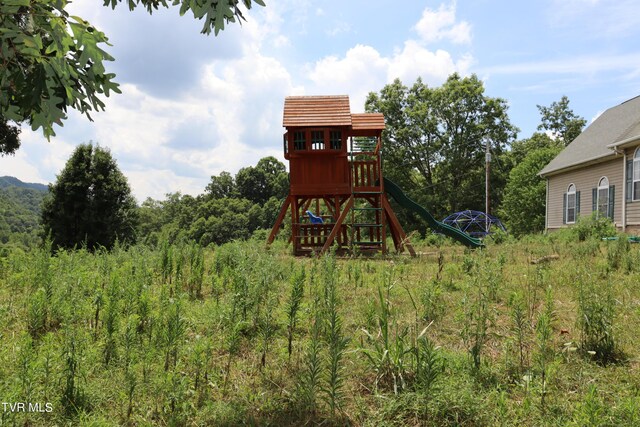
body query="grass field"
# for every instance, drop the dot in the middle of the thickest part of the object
(237, 335)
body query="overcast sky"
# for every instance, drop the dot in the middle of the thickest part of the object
(193, 106)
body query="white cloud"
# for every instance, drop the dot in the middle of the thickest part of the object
(20, 166)
(433, 67)
(358, 72)
(37, 160)
(438, 25)
(156, 183)
(229, 119)
(364, 69)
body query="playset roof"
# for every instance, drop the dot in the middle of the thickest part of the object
(309, 111)
(327, 111)
(367, 121)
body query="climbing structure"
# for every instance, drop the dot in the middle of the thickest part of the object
(336, 175)
(474, 223)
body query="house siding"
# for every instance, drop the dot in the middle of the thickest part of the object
(633, 213)
(633, 207)
(585, 180)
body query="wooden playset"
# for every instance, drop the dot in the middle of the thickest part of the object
(336, 193)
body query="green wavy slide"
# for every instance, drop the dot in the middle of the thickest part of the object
(404, 201)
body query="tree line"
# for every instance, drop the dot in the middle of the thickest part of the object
(231, 207)
(91, 205)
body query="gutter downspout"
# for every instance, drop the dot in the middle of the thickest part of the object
(624, 191)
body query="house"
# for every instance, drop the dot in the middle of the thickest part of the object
(598, 172)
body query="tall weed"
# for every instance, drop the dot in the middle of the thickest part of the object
(293, 305)
(596, 317)
(336, 342)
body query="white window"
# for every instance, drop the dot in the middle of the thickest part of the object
(571, 204)
(636, 175)
(603, 197)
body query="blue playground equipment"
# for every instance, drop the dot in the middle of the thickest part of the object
(314, 219)
(474, 223)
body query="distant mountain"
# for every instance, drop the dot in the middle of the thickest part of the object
(20, 206)
(8, 181)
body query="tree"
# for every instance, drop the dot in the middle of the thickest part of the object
(268, 178)
(521, 148)
(435, 141)
(90, 203)
(523, 206)
(221, 186)
(561, 121)
(9, 138)
(52, 61)
(224, 220)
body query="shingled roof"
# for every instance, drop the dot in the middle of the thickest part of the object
(597, 142)
(316, 111)
(368, 121)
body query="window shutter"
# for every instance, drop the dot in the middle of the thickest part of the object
(594, 200)
(577, 204)
(612, 200)
(564, 208)
(629, 179)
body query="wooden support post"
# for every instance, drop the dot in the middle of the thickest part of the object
(295, 222)
(337, 225)
(279, 219)
(397, 228)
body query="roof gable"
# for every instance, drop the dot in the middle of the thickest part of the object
(616, 124)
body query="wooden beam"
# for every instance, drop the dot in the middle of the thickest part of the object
(307, 203)
(295, 224)
(394, 235)
(279, 219)
(396, 227)
(338, 224)
(329, 206)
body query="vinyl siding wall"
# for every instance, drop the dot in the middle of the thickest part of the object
(633, 207)
(585, 180)
(633, 213)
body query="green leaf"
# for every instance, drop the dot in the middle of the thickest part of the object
(25, 3)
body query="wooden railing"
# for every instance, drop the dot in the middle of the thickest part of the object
(365, 173)
(364, 233)
(316, 234)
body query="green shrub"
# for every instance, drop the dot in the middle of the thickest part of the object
(590, 227)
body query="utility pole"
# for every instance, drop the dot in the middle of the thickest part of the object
(487, 159)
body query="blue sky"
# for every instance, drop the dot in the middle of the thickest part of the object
(193, 106)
